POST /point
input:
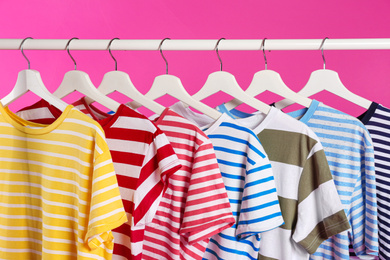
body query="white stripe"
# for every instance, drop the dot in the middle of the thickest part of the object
(58, 252)
(287, 178)
(58, 216)
(105, 189)
(101, 217)
(20, 194)
(332, 206)
(27, 206)
(104, 177)
(64, 229)
(46, 177)
(51, 154)
(52, 203)
(4, 124)
(38, 230)
(98, 149)
(127, 170)
(46, 142)
(26, 250)
(29, 239)
(91, 256)
(135, 123)
(126, 193)
(122, 239)
(35, 113)
(126, 146)
(317, 147)
(104, 163)
(58, 192)
(106, 202)
(20, 217)
(44, 213)
(73, 133)
(379, 120)
(50, 166)
(86, 123)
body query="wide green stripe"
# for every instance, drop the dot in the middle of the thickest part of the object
(286, 147)
(315, 172)
(289, 208)
(261, 257)
(330, 226)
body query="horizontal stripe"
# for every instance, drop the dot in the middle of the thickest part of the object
(257, 182)
(265, 205)
(263, 167)
(259, 194)
(46, 142)
(241, 128)
(223, 149)
(274, 215)
(235, 139)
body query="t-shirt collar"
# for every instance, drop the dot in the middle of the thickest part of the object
(259, 121)
(29, 127)
(366, 116)
(305, 114)
(109, 120)
(204, 122)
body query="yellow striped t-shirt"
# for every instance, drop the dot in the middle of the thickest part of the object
(59, 197)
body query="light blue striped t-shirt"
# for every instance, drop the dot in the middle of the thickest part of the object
(350, 153)
(249, 183)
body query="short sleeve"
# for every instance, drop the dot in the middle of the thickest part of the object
(207, 211)
(260, 209)
(159, 164)
(106, 210)
(363, 209)
(320, 212)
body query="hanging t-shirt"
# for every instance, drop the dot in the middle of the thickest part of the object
(377, 121)
(195, 206)
(349, 150)
(310, 205)
(143, 159)
(59, 196)
(250, 185)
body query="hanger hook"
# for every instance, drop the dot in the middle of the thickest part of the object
(112, 56)
(216, 50)
(322, 50)
(21, 49)
(262, 47)
(67, 49)
(162, 55)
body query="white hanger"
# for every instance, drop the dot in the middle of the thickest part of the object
(329, 80)
(171, 85)
(227, 83)
(269, 80)
(30, 80)
(121, 82)
(76, 80)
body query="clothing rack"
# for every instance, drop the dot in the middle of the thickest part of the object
(198, 45)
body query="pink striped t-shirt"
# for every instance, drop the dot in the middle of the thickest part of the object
(195, 205)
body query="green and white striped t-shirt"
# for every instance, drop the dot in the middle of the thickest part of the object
(310, 205)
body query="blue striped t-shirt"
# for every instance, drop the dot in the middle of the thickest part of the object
(350, 153)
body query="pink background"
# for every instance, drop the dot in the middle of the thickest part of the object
(366, 73)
